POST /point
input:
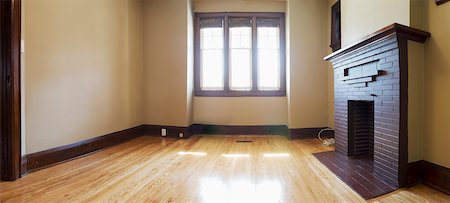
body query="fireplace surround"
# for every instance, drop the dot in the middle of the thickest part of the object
(371, 100)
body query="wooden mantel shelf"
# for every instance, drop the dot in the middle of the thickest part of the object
(401, 31)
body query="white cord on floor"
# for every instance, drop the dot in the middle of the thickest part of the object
(326, 142)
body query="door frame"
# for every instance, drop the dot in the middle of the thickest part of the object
(10, 101)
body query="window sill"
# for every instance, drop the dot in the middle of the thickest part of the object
(278, 93)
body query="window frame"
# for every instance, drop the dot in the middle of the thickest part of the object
(227, 92)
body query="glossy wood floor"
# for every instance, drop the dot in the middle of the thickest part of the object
(200, 169)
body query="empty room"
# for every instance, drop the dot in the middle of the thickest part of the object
(225, 101)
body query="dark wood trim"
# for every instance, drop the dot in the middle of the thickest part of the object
(65, 153)
(10, 141)
(226, 54)
(439, 2)
(405, 32)
(308, 133)
(430, 174)
(238, 14)
(282, 54)
(254, 92)
(240, 93)
(254, 55)
(196, 52)
(171, 131)
(436, 176)
(239, 130)
(403, 139)
(414, 173)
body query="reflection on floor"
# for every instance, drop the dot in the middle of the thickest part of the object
(214, 189)
(199, 169)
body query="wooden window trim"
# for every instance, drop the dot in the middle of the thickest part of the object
(254, 92)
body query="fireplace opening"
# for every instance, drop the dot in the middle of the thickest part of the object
(361, 129)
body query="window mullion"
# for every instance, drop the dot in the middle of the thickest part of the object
(254, 56)
(226, 54)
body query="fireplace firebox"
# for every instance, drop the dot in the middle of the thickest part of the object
(360, 128)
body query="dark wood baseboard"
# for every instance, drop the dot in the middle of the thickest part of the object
(50, 157)
(239, 130)
(436, 176)
(307, 133)
(23, 166)
(430, 174)
(414, 173)
(171, 131)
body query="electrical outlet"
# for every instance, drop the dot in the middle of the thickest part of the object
(163, 132)
(180, 135)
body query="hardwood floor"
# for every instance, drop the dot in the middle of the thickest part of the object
(199, 169)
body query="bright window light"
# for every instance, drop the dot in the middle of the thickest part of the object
(241, 58)
(235, 155)
(268, 58)
(193, 153)
(276, 155)
(238, 189)
(211, 48)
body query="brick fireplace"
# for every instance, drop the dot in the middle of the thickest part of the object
(371, 101)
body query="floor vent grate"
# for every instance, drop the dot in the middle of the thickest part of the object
(244, 141)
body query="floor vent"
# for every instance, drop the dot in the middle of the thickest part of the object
(244, 141)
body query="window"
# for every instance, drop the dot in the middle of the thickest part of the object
(240, 54)
(211, 53)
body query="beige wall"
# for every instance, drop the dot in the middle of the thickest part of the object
(416, 63)
(361, 18)
(416, 109)
(437, 83)
(240, 110)
(307, 72)
(239, 6)
(136, 58)
(83, 63)
(166, 63)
